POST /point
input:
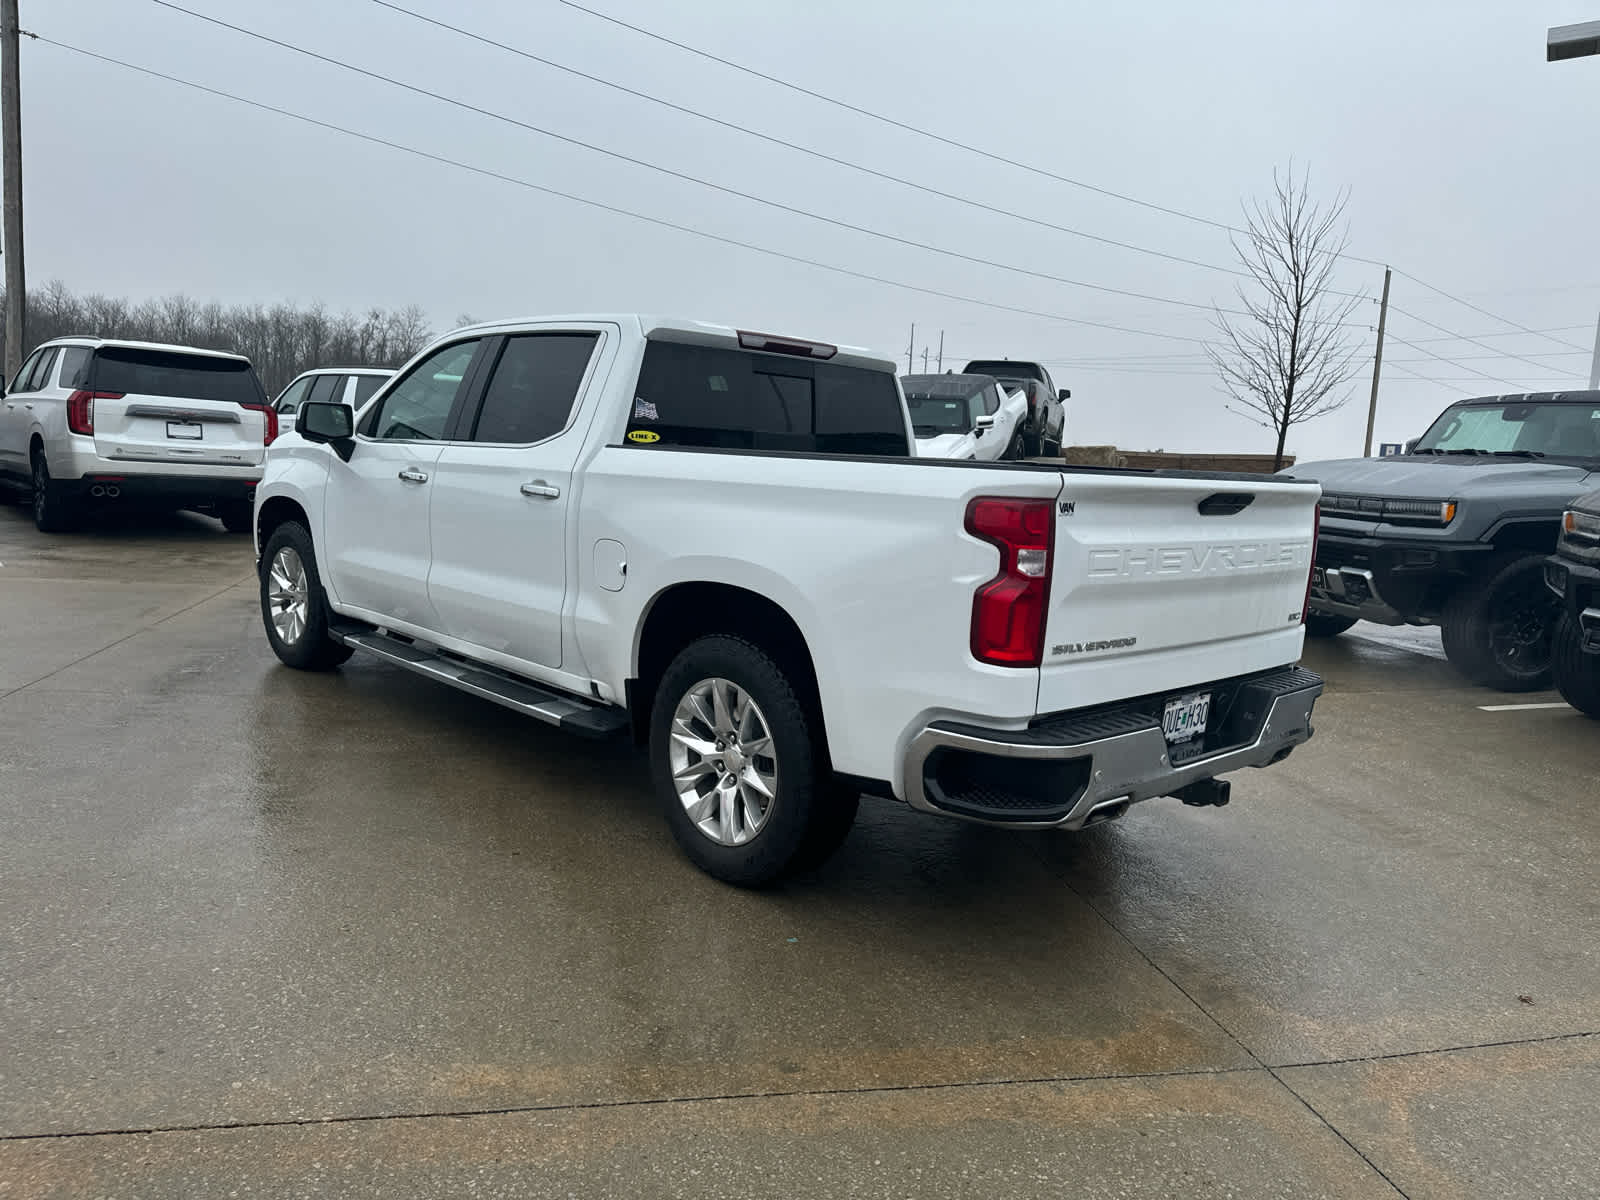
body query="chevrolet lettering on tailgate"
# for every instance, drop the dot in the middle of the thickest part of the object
(1125, 561)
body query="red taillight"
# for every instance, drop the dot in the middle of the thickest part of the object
(271, 415)
(1008, 612)
(1311, 571)
(80, 409)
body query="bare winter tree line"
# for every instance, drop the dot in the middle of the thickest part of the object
(281, 340)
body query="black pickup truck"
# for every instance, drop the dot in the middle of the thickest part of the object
(1574, 575)
(1456, 531)
(1047, 413)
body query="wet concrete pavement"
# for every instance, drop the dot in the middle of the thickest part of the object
(272, 934)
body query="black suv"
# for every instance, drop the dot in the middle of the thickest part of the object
(1574, 576)
(1456, 531)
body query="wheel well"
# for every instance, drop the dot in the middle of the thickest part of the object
(689, 611)
(276, 512)
(35, 446)
(1535, 537)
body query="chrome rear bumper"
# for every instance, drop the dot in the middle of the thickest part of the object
(1066, 771)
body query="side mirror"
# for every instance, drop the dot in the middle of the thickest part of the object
(331, 424)
(1412, 445)
(1064, 395)
(982, 423)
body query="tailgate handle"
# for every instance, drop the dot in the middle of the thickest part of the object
(1225, 504)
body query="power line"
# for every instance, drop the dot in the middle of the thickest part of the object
(1395, 308)
(1475, 308)
(1506, 333)
(611, 208)
(814, 153)
(1488, 357)
(991, 155)
(684, 176)
(875, 116)
(1470, 370)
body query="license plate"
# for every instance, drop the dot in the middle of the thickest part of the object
(1185, 717)
(191, 431)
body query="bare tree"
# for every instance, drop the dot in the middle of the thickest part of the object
(1286, 357)
(281, 340)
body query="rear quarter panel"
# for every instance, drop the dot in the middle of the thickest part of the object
(869, 558)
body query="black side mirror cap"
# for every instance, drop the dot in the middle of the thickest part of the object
(333, 425)
(1064, 395)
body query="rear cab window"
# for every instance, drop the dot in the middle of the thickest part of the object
(711, 397)
(127, 370)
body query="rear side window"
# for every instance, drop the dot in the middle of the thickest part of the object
(535, 381)
(75, 366)
(39, 377)
(19, 382)
(732, 399)
(325, 389)
(181, 376)
(365, 386)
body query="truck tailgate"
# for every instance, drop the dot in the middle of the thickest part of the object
(1162, 582)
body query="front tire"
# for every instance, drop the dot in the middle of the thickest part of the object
(294, 607)
(1577, 674)
(739, 768)
(52, 511)
(1497, 630)
(1326, 625)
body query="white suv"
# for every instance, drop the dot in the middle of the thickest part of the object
(352, 386)
(92, 422)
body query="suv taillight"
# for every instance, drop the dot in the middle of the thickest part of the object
(271, 415)
(1311, 571)
(80, 409)
(1008, 612)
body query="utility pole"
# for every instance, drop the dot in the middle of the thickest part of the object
(924, 360)
(911, 348)
(940, 367)
(11, 165)
(1594, 365)
(1377, 366)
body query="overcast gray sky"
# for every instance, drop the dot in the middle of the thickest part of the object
(1470, 163)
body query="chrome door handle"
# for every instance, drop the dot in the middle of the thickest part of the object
(412, 475)
(541, 489)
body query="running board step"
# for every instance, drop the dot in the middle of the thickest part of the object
(564, 711)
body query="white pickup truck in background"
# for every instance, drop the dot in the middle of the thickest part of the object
(720, 542)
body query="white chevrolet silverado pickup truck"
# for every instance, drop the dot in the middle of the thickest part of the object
(721, 543)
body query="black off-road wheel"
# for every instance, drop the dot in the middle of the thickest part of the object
(1577, 674)
(294, 607)
(739, 767)
(1326, 625)
(1498, 629)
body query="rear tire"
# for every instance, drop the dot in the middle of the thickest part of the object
(294, 608)
(1577, 674)
(742, 780)
(1014, 449)
(52, 511)
(237, 516)
(1326, 625)
(1498, 629)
